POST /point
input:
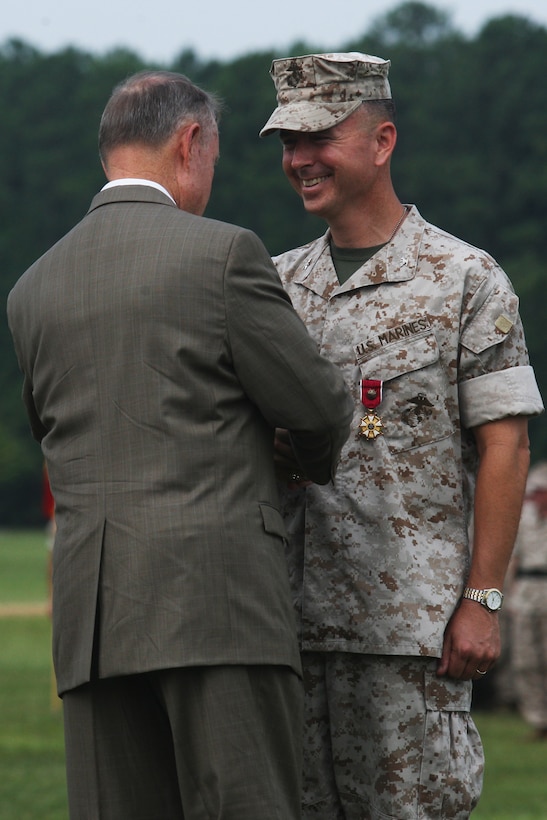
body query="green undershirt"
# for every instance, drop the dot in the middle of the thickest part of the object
(347, 260)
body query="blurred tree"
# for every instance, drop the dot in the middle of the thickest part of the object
(413, 24)
(471, 153)
(49, 168)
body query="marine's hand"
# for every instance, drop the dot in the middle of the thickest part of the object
(471, 642)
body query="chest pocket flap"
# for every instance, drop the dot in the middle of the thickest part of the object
(400, 357)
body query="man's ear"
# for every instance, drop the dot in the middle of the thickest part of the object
(386, 139)
(187, 140)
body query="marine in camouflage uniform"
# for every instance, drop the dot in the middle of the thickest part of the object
(528, 605)
(427, 333)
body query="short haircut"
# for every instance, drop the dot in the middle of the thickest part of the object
(150, 106)
(381, 110)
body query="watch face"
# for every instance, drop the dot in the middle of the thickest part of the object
(493, 599)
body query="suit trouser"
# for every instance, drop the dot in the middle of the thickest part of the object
(186, 744)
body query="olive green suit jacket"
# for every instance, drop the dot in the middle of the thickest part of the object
(159, 352)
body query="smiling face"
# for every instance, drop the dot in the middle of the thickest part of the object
(333, 170)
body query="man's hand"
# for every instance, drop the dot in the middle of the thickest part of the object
(471, 642)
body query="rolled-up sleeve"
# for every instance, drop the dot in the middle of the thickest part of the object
(510, 392)
(495, 378)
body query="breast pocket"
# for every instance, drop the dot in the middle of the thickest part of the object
(417, 407)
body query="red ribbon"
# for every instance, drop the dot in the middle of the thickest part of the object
(371, 393)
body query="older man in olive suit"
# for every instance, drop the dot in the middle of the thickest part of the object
(159, 354)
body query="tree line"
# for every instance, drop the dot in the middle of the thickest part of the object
(471, 154)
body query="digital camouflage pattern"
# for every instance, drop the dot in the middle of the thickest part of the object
(317, 91)
(389, 753)
(527, 602)
(378, 560)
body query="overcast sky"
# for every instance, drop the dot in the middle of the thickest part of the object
(221, 29)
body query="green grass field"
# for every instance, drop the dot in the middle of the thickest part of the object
(32, 781)
(32, 784)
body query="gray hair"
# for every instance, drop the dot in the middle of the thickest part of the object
(150, 106)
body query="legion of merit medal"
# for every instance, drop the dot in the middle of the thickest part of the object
(370, 426)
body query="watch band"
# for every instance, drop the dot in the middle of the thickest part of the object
(474, 594)
(481, 596)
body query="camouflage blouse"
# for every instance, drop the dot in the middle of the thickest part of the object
(378, 560)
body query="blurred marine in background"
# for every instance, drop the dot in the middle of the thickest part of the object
(528, 605)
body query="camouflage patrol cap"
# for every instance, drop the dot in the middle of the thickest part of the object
(317, 91)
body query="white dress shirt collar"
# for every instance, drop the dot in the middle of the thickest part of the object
(115, 182)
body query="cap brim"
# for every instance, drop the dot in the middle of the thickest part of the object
(308, 116)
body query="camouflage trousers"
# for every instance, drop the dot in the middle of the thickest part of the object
(386, 738)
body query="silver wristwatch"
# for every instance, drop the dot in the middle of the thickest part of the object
(492, 598)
